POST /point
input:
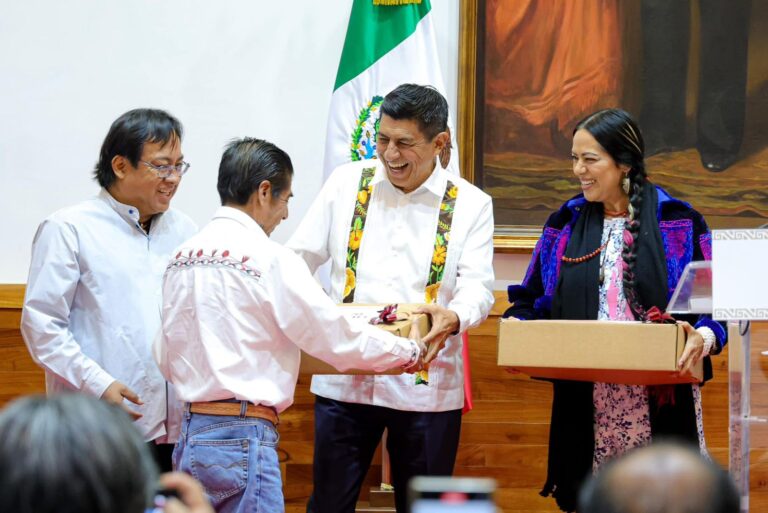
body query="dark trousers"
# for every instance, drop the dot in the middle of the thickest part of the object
(346, 437)
(162, 454)
(723, 37)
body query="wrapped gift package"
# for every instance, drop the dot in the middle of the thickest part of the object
(606, 351)
(363, 314)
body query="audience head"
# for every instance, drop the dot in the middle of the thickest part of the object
(72, 454)
(413, 130)
(661, 478)
(141, 162)
(256, 176)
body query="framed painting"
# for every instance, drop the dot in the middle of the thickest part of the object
(693, 73)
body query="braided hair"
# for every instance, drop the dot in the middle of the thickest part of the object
(619, 135)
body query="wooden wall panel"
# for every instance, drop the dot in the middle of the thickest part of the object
(11, 295)
(504, 437)
(10, 318)
(18, 373)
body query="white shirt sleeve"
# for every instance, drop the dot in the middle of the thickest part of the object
(308, 317)
(310, 240)
(53, 278)
(473, 297)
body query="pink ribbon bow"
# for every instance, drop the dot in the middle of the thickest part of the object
(387, 315)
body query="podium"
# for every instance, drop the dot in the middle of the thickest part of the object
(733, 288)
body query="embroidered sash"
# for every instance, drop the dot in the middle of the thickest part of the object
(439, 252)
(442, 238)
(364, 192)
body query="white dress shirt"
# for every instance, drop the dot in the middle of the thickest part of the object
(238, 307)
(393, 264)
(92, 305)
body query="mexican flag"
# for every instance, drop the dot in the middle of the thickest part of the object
(388, 43)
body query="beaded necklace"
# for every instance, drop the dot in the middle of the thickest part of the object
(588, 256)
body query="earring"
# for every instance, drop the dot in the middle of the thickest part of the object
(625, 184)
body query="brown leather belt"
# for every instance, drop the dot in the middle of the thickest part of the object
(231, 409)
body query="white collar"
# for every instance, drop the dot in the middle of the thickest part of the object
(239, 216)
(435, 182)
(128, 212)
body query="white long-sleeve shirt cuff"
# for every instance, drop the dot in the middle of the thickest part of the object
(97, 381)
(464, 314)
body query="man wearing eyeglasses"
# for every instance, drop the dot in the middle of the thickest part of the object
(92, 304)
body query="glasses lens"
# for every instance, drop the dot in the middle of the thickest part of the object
(164, 171)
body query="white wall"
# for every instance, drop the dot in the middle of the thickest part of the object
(225, 69)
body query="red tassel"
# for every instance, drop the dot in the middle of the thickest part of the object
(467, 374)
(654, 314)
(662, 395)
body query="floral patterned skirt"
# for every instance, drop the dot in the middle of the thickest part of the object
(622, 419)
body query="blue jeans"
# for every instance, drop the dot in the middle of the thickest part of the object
(235, 459)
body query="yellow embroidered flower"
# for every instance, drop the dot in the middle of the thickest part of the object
(349, 285)
(430, 295)
(439, 256)
(422, 377)
(453, 192)
(362, 197)
(355, 236)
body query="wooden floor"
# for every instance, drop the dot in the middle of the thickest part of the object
(504, 437)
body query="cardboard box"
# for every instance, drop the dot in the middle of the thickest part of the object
(363, 314)
(606, 351)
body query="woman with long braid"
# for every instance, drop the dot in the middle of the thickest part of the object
(614, 252)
